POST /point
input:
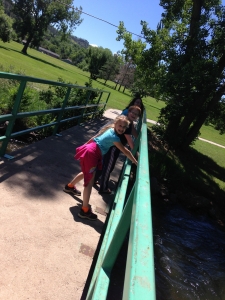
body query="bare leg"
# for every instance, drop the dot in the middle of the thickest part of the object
(77, 178)
(87, 191)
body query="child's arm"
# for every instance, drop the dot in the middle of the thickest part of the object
(129, 141)
(134, 131)
(120, 146)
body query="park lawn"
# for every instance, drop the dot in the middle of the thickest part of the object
(39, 65)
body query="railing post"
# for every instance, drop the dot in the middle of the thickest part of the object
(106, 101)
(83, 110)
(14, 114)
(99, 98)
(56, 127)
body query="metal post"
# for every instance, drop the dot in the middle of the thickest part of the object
(14, 114)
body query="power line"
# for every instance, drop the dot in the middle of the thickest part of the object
(107, 22)
(82, 12)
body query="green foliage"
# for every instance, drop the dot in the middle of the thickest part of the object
(6, 30)
(83, 66)
(97, 59)
(34, 17)
(217, 116)
(206, 177)
(65, 48)
(111, 68)
(186, 67)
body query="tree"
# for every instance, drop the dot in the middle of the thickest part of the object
(126, 75)
(186, 66)
(111, 68)
(34, 16)
(79, 55)
(98, 56)
(6, 30)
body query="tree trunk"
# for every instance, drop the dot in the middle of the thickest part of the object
(24, 50)
(193, 132)
(190, 117)
(173, 125)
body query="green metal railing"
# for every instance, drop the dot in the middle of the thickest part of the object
(129, 212)
(15, 114)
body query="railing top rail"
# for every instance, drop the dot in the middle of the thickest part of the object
(140, 275)
(44, 81)
(136, 215)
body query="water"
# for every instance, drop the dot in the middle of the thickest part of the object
(189, 255)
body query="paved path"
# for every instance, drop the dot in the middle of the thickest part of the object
(46, 249)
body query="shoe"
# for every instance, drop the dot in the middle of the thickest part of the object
(88, 215)
(72, 190)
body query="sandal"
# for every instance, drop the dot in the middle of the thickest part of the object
(108, 191)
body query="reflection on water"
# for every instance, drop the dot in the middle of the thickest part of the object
(189, 256)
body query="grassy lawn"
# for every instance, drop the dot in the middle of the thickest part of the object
(37, 64)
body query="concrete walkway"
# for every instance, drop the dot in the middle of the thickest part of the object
(46, 249)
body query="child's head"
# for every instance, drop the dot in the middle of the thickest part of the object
(134, 112)
(121, 123)
(137, 101)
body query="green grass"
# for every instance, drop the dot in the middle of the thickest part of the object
(37, 64)
(209, 133)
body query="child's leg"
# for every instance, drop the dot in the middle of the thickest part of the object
(86, 212)
(87, 192)
(77, 178)
(71, 187)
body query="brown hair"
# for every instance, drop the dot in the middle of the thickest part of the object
(136, 108)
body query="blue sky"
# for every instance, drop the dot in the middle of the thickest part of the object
(129, 11)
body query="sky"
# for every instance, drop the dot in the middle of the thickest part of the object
(131, 12)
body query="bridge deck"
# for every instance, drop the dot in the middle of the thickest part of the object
(46, 250)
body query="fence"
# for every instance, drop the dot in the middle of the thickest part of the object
(59, 112)
(132, 212)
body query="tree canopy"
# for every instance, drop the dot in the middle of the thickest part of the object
(186, 62)
(98, 56)
(6, 30)
(32, 18)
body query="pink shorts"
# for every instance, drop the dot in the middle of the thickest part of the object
(90, 158)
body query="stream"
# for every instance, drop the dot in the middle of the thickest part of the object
(189, 254)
